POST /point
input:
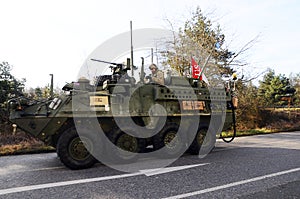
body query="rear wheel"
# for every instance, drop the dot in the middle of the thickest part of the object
(73, 150)
(169, 141)
(127, 146)
(203, 142)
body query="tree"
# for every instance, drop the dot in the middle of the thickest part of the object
(41, 93)
(199, 39)
(38, 93)
(9, 87)
(247, 114)
(273, 87)
(295, 83)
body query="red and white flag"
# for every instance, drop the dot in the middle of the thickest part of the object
(196, 70)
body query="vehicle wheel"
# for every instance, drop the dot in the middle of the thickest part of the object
(204, 140)
(127, 147)
(169, 140)
(72, 151)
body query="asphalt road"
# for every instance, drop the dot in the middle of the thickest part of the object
(264, 166)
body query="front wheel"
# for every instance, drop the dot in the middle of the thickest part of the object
(74, 151)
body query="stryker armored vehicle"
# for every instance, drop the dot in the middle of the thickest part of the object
(180, 115)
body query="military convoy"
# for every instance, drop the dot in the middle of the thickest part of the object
(118, 114)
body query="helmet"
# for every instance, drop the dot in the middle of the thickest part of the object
(153, 66)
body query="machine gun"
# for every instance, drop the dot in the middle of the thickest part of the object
(117, 68)
(119, 73)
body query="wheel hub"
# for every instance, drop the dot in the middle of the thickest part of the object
(78, 150)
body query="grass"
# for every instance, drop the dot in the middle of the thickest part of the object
(24, 148)
(258, 132)
(21, 143)
(249, 132)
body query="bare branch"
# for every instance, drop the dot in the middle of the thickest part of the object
(173, 31)
(246, 47)
(255, 77)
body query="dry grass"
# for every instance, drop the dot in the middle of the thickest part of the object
(21, 143)
(270, 119)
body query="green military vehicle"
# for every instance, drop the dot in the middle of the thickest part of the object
(121, 118)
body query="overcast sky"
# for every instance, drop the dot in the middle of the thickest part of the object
(43, 37)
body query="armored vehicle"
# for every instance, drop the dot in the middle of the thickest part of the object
(132, 116)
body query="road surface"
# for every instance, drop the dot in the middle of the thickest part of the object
(263, 166)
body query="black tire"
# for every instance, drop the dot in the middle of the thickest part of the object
(169, 140)
(71, 149)
(127, 147)
(203, 142)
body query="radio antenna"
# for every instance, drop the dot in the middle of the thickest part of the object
(131, 50)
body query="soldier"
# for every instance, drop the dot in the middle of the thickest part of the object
(157, 76)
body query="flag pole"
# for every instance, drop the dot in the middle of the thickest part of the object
(205, 64)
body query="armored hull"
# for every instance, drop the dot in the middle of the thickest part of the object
(181, 115)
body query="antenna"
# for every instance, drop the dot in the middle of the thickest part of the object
(151, 55)
(51, 87)
(131, 51)
(156, 56)
(142, 76)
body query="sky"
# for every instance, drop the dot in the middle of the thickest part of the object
(39, 38)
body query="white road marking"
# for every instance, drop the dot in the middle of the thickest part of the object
(45, 169)
(151, 172)
(232, 184)
(64, 183)
(4, 170)
(22, 169)
(147, 172)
